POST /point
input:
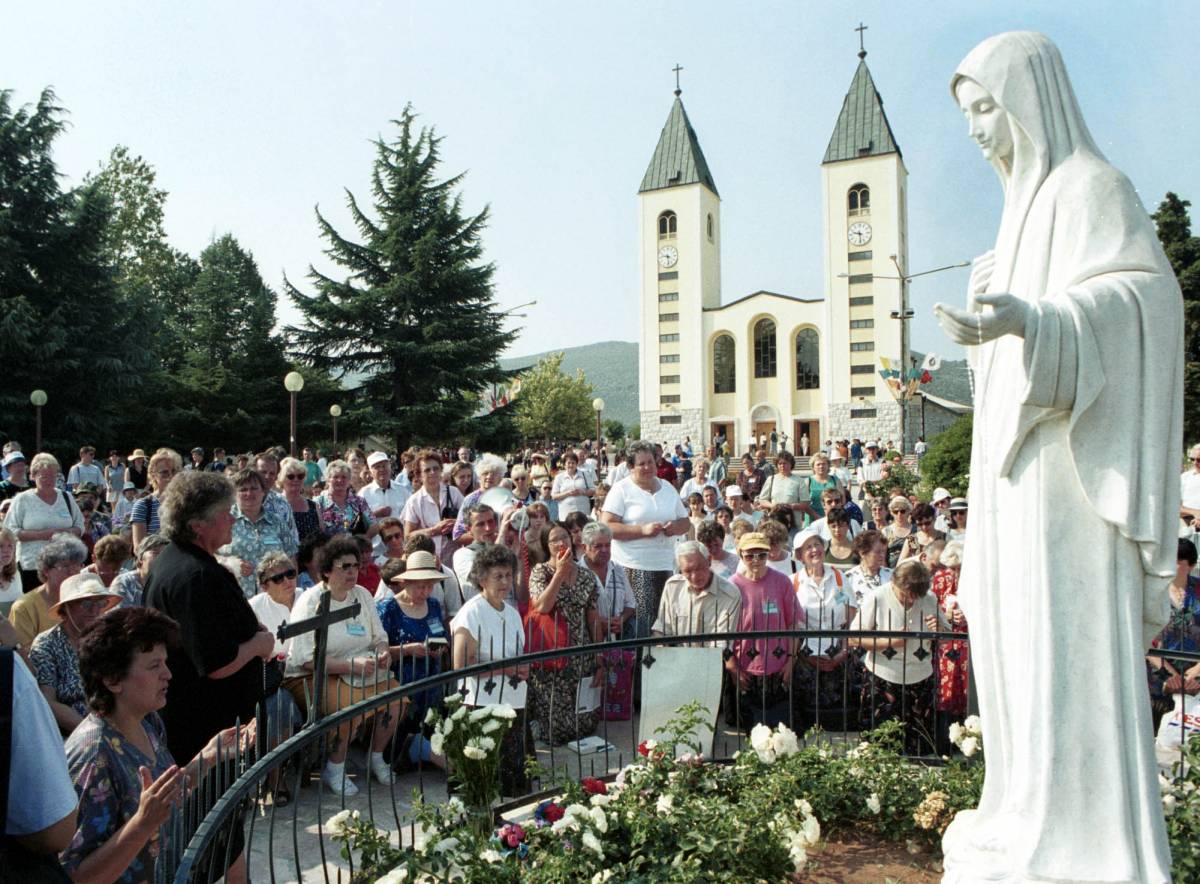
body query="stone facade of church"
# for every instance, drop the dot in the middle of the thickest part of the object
(795, 364)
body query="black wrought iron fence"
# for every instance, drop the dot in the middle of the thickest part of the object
(828, 684)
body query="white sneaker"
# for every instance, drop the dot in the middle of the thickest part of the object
(383, 772)
(338, 783)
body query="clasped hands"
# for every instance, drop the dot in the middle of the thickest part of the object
(1008, 315)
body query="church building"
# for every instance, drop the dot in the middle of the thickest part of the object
(763, 361)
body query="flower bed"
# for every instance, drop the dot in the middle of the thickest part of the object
(672, 816)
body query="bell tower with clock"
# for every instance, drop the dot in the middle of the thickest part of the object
(864, 184)
(679, 247)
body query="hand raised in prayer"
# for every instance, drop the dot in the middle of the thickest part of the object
(1007, 317)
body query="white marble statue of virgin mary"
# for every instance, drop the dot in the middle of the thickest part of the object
(1074, 329)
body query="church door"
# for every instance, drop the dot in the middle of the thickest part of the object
(762, 433)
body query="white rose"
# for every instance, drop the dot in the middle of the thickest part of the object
(972, 723)
(600, 800)
(873, 804)
(491, 856)
(803, 806)
(811, 830)
(1169, 804)
(970, 745)
(784, 742)
(760, 738)
(599, 820)
(564, 823)
(665, 804)
(766, 756)
(474, 753)
(956, 733)
(337, 822)
(592, 843)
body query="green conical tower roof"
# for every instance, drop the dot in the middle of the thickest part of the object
(677, 159)
(862, 128)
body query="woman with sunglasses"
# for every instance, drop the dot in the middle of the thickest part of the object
(924, 516)
(897, 533)
(292, 476)
(356, 663)
(276, 575)
(165, 464)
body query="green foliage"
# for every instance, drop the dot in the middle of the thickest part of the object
(895, 475)
(1183, 251)
(62, 328)
(1181, 803)
(614, 430)
(553, 405)
(947, 463)
(414, 314)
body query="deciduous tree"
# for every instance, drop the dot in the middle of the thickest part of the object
(554, 405)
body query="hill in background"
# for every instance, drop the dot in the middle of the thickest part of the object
(611, 367)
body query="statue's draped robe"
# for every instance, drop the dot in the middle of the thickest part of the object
(1074, 501)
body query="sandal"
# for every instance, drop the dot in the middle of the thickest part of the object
(281, 797)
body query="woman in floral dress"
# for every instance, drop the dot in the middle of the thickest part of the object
(1182, 633)
(129, 785)
(567, 592)
(340, 509)
(952, 655)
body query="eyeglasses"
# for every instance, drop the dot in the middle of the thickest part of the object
(924, 522)
(289, 574)
(295, 476)
(754, 556)
(898, 511)
(388, 538)
(346, 566)
(92, 606)
(164, 474)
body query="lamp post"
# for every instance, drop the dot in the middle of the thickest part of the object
(293, 382)
(335, 411)
(598, 407)
(903, 315)
(38, 398)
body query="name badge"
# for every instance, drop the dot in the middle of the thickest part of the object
(769, 607)
(435, 627)
(271, 541)
(353, 627)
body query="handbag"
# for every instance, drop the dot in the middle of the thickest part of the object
(547, 632)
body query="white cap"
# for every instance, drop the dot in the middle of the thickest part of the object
(733, 491)
(940, 494)
(376, 457)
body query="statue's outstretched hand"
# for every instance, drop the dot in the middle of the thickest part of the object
(1007, 317)
(981, 275)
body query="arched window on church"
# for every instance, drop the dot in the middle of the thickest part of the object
(764, 348)
(724, 364)
(808, 360)
(858, 201)
(666, 224)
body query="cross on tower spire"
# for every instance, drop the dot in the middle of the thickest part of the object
(677, 69)
(862, 52)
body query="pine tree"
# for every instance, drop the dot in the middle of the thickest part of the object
(1183, 251)
(414, 320)
(61, 329)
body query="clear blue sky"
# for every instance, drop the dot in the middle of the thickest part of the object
(253, 113)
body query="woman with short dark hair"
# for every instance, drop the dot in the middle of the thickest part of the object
(127, 779)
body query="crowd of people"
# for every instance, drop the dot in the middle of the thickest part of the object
(142, 598)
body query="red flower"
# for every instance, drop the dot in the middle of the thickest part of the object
(643, 749)
(594, 786)
(551, 812)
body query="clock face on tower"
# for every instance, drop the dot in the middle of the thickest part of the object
(668, 256)
(859, 233)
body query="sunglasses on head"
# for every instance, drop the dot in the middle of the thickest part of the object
(289, 574)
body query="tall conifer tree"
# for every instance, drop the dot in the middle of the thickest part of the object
(415, 317)
(1183, 251)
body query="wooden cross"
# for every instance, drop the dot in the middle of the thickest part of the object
(677, 69)
(319, 624)
(862, 52)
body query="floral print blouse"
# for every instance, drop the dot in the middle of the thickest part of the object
(337, 518)
(56, 666)
(104, 767)
(254, 539)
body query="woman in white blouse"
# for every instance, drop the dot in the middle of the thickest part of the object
(38, 514)
(820, 683)
(356, 661)
(572, 488)
(645, 514)
(487, 628)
